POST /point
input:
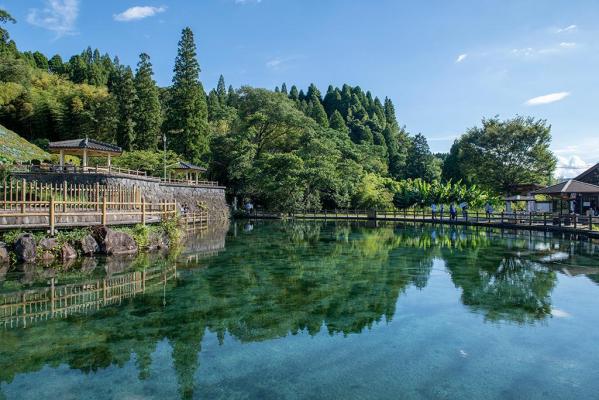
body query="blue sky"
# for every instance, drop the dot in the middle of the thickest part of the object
(445, 64)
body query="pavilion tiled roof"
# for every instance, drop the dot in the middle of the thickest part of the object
(569, 186)
(184, 165)
(80, 144)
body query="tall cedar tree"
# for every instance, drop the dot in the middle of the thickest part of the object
(421, 162)
(148, 114)
(221, 91)
(337, 123)
(187, 121)
(317, 111)
(125, 96)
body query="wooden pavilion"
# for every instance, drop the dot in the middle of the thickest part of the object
(192, 172)
(579, 196)
(84, 148)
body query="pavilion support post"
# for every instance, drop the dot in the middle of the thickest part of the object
(108, 162)
(62, 158)
(84, 159)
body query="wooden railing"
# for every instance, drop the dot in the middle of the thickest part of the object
(105, 169)
(580, 222)
(110, 170)
(14, 193)
(195, 219)
(190, 182)
(24, 308)
(32, 204)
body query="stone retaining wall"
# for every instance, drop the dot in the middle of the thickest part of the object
(152, 189)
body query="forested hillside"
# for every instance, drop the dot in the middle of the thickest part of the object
(284, 148)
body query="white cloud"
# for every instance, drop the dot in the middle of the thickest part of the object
(569, 167)
(548, 98)
(530, 52)
(461, 58)
(278, 63)
(247, 1)
(567, 45)
(568, 28)
(58, 16)
(275, 63)
(138, 12)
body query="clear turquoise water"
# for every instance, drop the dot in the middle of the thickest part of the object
(334, 311)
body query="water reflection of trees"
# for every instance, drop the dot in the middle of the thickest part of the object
(283, 278)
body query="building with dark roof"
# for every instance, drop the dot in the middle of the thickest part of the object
(84, 148)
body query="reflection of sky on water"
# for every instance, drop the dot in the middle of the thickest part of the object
(316, 310)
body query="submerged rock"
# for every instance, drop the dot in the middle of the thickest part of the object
(89, 264)
(4, 256)
(47, 247)
(114, 242)
(67, 252)
(48, 244)
(25, 248)
(88, 245)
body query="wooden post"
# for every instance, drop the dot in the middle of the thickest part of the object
(97, 196)
(64, 196)
(52, 296)
(104, 219)
(52, 217)
(502, 217)
(143, 210)
(591, 221)
(23, 195)
(530, 219)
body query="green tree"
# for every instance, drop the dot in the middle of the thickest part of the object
(338, 123)
(41, 61)
(421, 163)
(5, 17)
(221, 90)
(501, 154)
(317, 111)
(124, 92)
(56, 65)
(147, 110)
(187, 120)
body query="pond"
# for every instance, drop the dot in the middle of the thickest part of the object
(289, 310)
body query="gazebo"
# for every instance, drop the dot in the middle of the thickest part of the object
(574, 192)
(84, 148)
(511, 200)
(191, 171)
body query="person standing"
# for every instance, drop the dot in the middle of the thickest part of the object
(452, 212)
(441, 211)
(464, 207)
(488, 210)
(434, 210)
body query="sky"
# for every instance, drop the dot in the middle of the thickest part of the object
(445, 64)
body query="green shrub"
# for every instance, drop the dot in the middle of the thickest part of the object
(172, 230)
